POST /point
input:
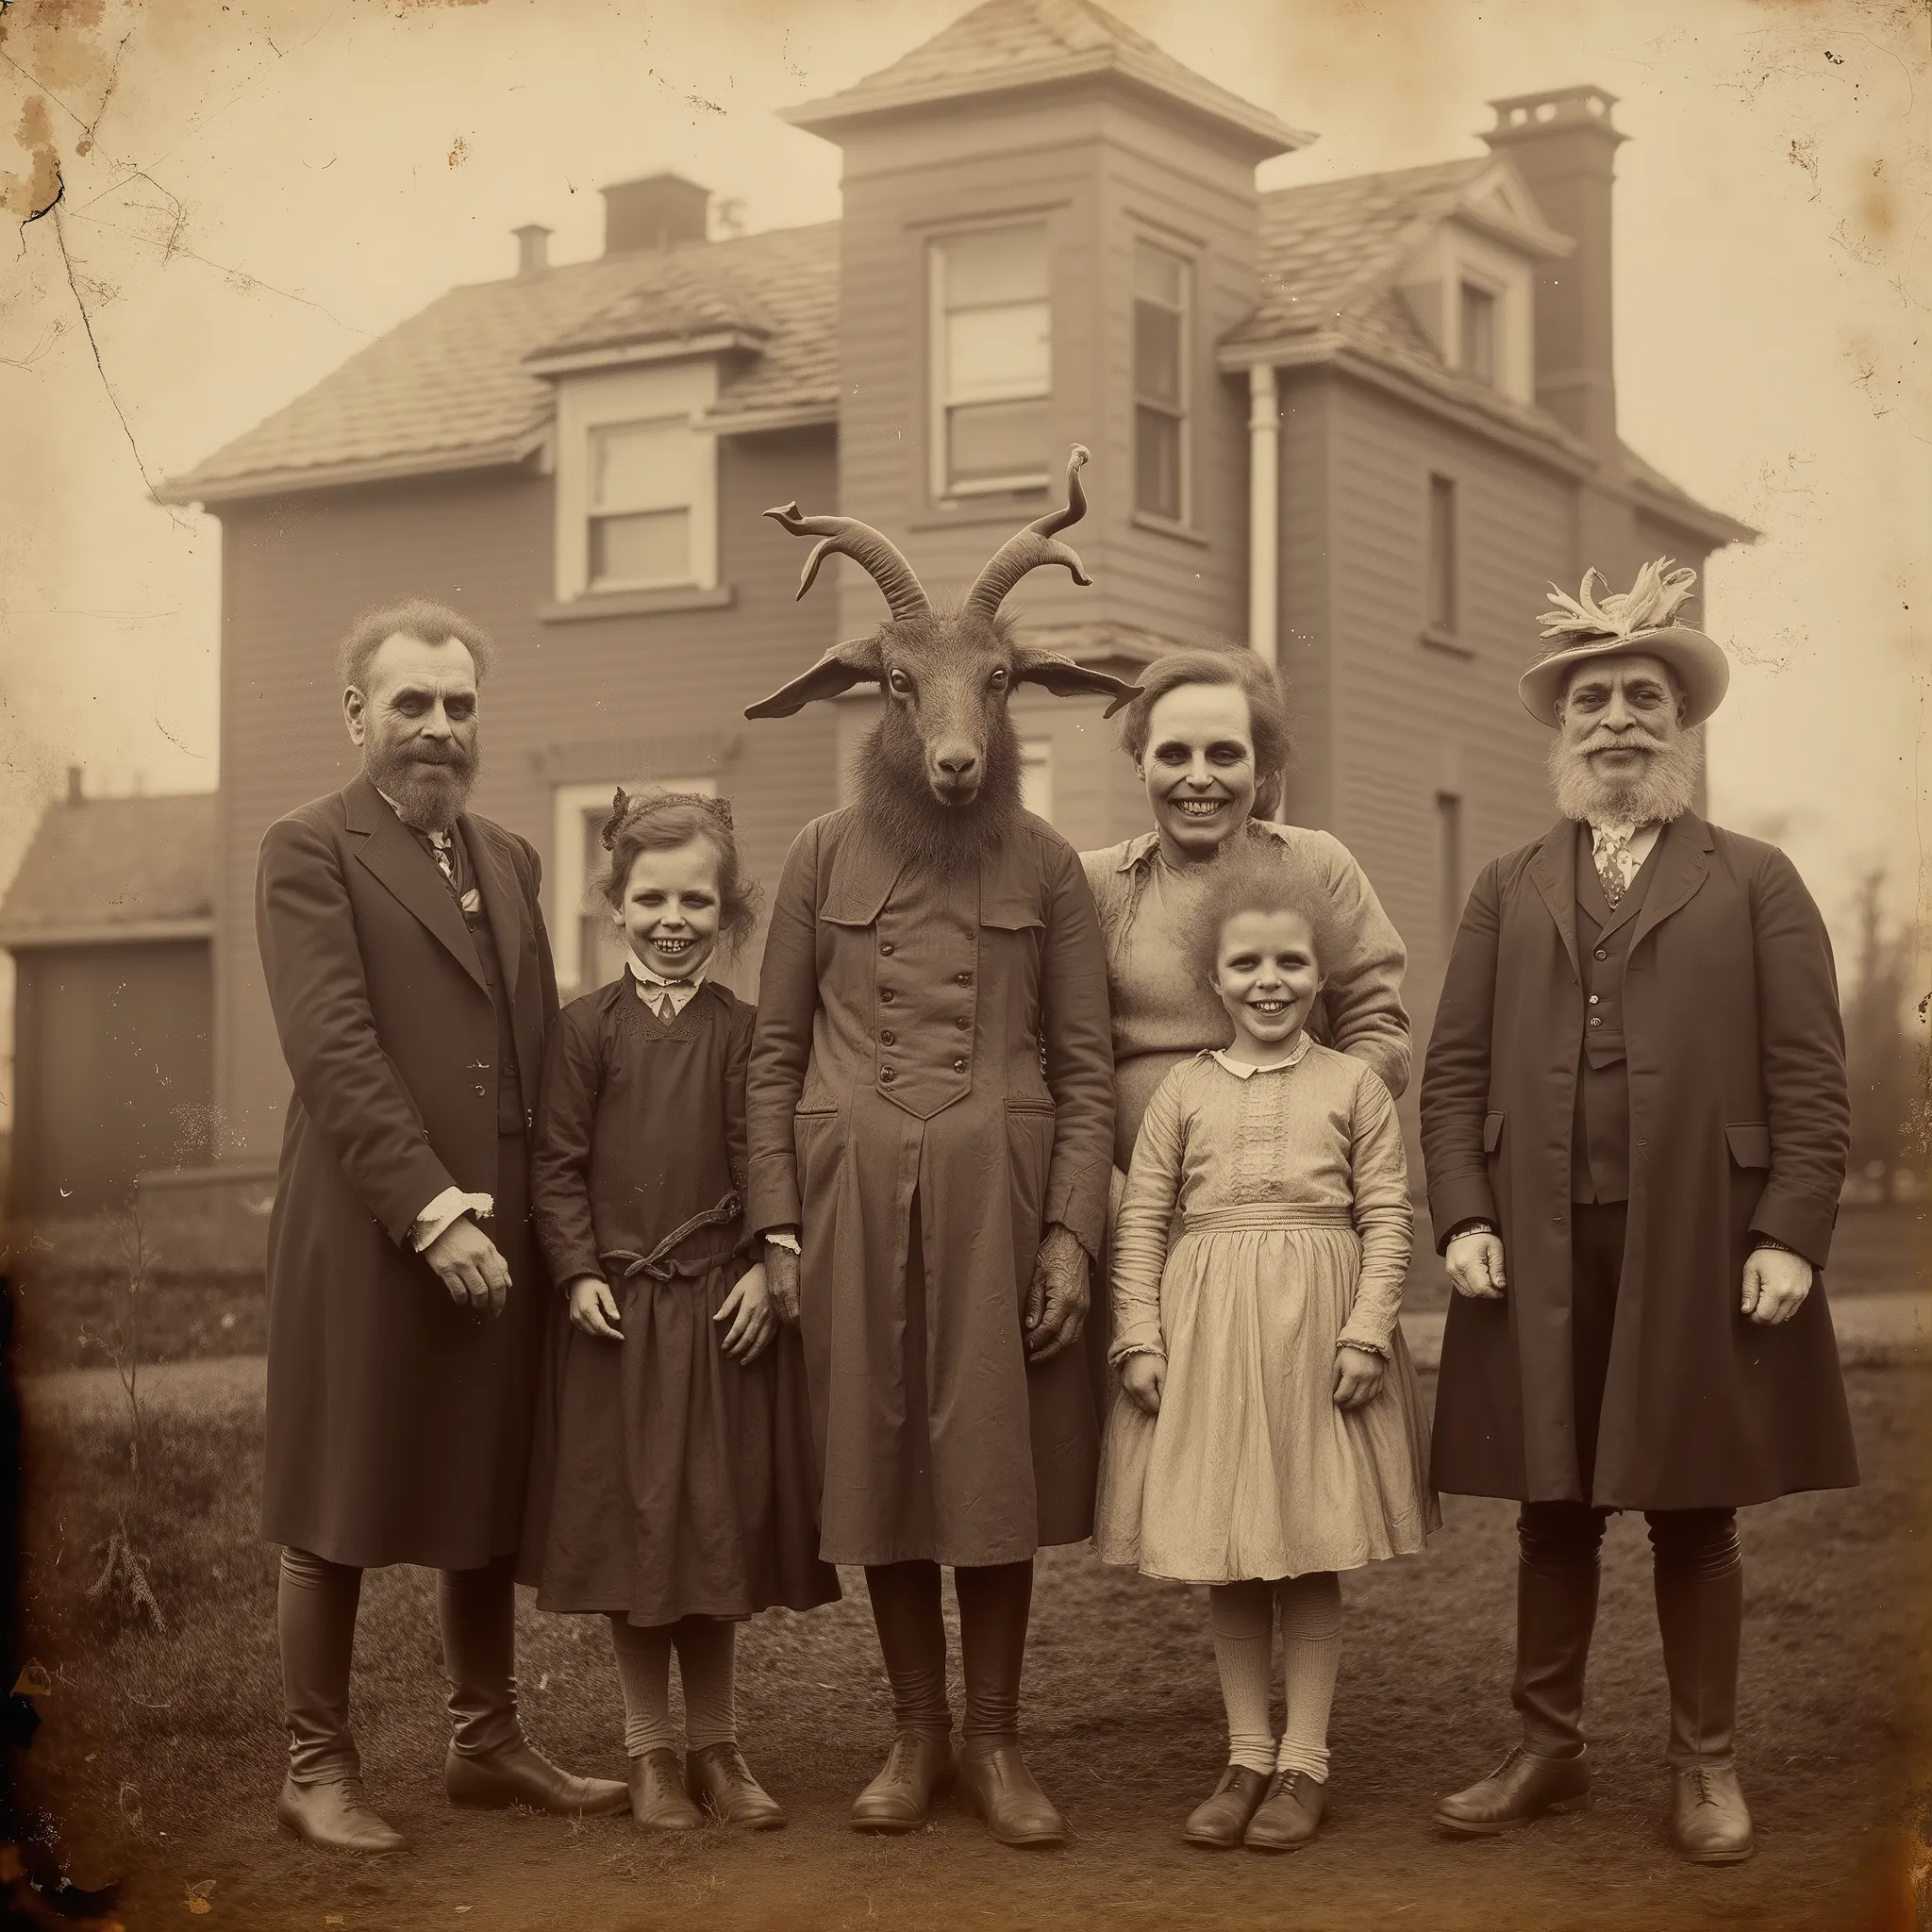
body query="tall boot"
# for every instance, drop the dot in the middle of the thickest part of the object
(1556, 1615)
(913, 1640)
(322, 1798)
(1699, 1579)
(995, 1603)
(490, 1760)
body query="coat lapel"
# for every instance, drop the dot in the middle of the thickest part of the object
(1553, 872)
(501, 900)
(395, 855)
(1682, 866)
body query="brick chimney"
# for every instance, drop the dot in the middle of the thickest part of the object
(533, 250)
(654, 212)
(1565, 145)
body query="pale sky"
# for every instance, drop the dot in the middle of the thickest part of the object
(254, 190)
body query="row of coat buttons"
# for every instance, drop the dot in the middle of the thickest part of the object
(885, 949)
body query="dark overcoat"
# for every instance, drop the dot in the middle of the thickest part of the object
(398, 1424)
(1738, 1122)
(898, 1058)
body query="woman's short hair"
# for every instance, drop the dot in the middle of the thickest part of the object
(415, 617)
(661, 822)
(1263, 874)
(1235, 668)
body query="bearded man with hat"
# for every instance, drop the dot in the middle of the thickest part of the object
(1634, 1122)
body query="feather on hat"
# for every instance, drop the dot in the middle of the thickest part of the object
(1599, 622)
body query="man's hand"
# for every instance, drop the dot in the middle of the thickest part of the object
(781, 1280)
(467, 1263)
(1056, 1300)
(748, 1314)
(1142, 1376)
(593, 1307)
(1776, 1285)
(1475, 1265)
(1357, 1376)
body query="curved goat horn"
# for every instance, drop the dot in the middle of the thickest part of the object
(847, 537)
(1034, 545)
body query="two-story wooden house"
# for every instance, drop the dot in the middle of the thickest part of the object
(1356, 426)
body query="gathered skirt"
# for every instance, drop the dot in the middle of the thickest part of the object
(1250, 1470)
(667, 1479)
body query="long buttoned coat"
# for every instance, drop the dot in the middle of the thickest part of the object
(898, 1058)
(1738, 1122)
(398, 1424)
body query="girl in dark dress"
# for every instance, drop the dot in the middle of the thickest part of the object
(672, 1480)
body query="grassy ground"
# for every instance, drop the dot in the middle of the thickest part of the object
(159, 1753)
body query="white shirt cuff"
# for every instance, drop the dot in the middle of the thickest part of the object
(447, 1209)
(783, 1238)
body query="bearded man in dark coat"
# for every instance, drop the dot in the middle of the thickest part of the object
(1634, 1122)
(412, 988)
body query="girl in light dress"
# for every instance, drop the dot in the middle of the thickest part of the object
(1268, 1431)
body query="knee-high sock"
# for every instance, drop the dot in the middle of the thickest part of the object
(477, 1610)
(643, 1674)
(1311, 1653)
(315, 1621)
(1240, 1616)
(995, 1603)
(913, 1640)
(706, 1660)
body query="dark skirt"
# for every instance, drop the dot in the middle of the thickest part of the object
(668, 1480)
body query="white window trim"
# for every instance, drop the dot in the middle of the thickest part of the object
(1184, 410)
(565, 881)
(1036, 777)
(1432, 285)
(601, 399)
(938, 371)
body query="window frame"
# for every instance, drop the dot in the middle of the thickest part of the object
(939, 401)
(1469, 283)
(1181, 409)
(1451, 866)
(1036, 762)
(1440, 487)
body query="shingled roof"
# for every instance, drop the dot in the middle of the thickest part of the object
(449, 388)
(106, 869)
(1009, 44)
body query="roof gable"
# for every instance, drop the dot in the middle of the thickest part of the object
(101, 869)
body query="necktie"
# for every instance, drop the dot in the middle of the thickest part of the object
(1611, 844)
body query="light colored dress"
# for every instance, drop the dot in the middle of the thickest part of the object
(1292, 1191)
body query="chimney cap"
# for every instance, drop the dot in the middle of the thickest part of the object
(654, 212)
(533, 248)
(1554, 110)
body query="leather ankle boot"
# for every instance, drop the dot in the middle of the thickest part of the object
(995, 1784)
(659, 1801)
(1219, 1820)
(720, 1779)
(918, 1769)
(336, 1816)
(1700, 1618)
(1520, 1790)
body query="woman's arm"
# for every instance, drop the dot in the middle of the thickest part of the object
(1363, 995)
(1140, 1248)
(1383, 1218)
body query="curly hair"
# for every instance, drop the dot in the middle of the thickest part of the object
(1262, 875)
(415, 617)
(1238, 668)
(661, 822)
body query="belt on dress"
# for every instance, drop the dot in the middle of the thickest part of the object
(1264, 1214)
(658, 1265)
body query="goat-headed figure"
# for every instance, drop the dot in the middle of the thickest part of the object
(940, 774)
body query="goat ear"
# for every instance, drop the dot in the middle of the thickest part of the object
(1066, 679)
(837, 671)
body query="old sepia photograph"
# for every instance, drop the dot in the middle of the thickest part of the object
(964, 963)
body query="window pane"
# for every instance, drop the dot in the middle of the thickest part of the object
(1157, 462)
(990, 440)
(1479, 333)
(1157, 354)
(1442, 560)
(1005, 265)
(641, 465)
(1159, 277)
(999, 352)
(653, 547)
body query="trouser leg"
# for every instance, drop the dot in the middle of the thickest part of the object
(707, 1667)
(1558, 1552)
(476, 1610)
(315, 1621)
(913, 1640)
(995, 1603)
(1698, 1574)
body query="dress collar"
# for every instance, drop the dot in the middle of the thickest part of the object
(1246, 1070)
(644, 977)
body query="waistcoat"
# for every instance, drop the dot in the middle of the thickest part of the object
(928, 941)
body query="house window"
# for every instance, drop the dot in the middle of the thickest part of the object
(1441, 586)
(1160, 361)
(1036, 777)
(992, 361)
(642, 478)
(588, 948)
(1448, 867)
(1478, 321)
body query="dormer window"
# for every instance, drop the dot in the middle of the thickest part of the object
(1477, 332)
(992, 361)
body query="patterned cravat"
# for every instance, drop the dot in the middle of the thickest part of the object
(442, 849)
(1610, 845)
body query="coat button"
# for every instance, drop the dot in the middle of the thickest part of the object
(888, 1039)
(479, 1089)
(964, 978)
(962, 1023)
(1594, 997)
(886, 947)
(959, 1066)
(1595, 1020)
(885, 1073)
(885, 996)
(1601, 954)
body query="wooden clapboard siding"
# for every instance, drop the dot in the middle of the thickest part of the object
(296, 572)
(1305, 621)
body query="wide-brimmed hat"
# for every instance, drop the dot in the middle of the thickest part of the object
(1627, 624)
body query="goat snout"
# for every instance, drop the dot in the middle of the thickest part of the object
(955, 769)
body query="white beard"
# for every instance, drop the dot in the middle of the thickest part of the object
(1662, 792)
